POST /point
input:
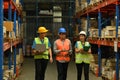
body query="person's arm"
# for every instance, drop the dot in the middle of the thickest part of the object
(55, 48)
(76, 48)
(50, 52)
(33, 48)
(70, 51)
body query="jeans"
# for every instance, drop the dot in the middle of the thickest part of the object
(40, 68)
(79, 71)
(62, 70)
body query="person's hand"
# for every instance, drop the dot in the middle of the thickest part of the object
(40, 51)
(34, 52)
(51, 60)
(81, 50)
(64, 50)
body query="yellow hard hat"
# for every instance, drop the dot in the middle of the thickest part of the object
(42, 30)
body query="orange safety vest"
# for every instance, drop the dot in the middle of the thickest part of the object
(63, 56)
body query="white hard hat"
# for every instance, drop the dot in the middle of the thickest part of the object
(82, 32)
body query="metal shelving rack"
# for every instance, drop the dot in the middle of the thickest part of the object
(10, 8)
(1, 39)
(100, 9)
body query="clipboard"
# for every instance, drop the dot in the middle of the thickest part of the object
(40, 47)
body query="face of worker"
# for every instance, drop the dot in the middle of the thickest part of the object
(42, 35)
(82, 37)
(62, 35)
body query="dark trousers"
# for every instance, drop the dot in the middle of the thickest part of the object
(62, 70)
(40, 68)
(79, 71)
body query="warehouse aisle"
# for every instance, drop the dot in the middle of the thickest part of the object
(51, 74)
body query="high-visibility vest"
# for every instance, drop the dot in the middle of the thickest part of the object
(43, 55)
(79, 57)
(63, 56)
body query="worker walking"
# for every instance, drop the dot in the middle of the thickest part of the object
(41, 50)
(82, 56)
(63, 50)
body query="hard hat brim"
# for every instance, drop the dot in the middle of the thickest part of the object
(42, 31)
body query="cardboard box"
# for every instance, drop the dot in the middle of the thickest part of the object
(8, 25)
(93, 32)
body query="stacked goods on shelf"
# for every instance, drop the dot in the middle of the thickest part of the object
(9, 33)
(80, 5)
(18, 4)
(93, 64)
(108, 32)
(93, 32)
(108, 66)
(83, 5)
(8, 25)
(95, 1)
(77, 6)
(4, 32)
(8, 74)
(9, 30)
(84, 24)
(108, 70)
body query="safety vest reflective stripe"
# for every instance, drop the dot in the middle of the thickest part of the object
(63, 56)
(44, 55)
(79, 57)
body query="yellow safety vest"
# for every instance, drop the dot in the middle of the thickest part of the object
(79, 57)
(43, 55)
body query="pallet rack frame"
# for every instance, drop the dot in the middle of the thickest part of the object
(10, 6)
(98, 10)
(1, 39)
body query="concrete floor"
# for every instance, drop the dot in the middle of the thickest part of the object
(27, 72)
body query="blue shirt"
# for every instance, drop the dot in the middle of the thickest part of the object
(33, 46)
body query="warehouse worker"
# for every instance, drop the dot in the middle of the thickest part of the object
(63, 50)
(41, 56)
(82, 56)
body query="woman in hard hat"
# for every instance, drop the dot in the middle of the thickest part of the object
(82, 56)
(41, 53)
(63, 50)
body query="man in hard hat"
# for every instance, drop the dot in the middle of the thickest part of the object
(41, 53)
(63, 50)
(82, 56)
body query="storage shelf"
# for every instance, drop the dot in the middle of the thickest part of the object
(94, 8)
(104, 42)
(99, 10)
(14, 6)
(7, 45)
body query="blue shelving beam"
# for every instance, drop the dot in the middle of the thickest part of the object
(99, 50)
(1, 39)
(88, 24)
(116, 53)
(15, 46)
(10, 19)
(10, 12)
(18, 25)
